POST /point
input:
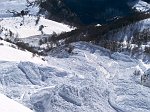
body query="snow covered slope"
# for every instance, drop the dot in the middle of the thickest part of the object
(10, 52)
(23, 27)
(16, 5)
(141, 6)
(128, 31)
(91, 79)
(26, 27)
(8, 105)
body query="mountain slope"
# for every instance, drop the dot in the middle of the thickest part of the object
(72, 76)
(11, 52)
(141, 6)
(26, 26)
(91, 79)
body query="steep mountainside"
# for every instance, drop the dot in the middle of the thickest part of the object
(49, 66)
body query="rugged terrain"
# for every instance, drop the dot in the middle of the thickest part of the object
(53, 67)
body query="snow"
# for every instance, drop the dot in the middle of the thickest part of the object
(16, 5)
(9, 105)
(28, 27)
(147, 66)
(127, 32)
(141, 6)
(91, 79)
(9, 53)
(98, 25)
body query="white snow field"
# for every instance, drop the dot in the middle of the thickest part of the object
(9, 105)
(92, 79)
(28, 27)
(9, 53)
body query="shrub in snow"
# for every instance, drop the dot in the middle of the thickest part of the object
(69, 48)
(137, 72)
(41, 29)
(147, 50)
(16, 13)
(1, 44)
(145, 78)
